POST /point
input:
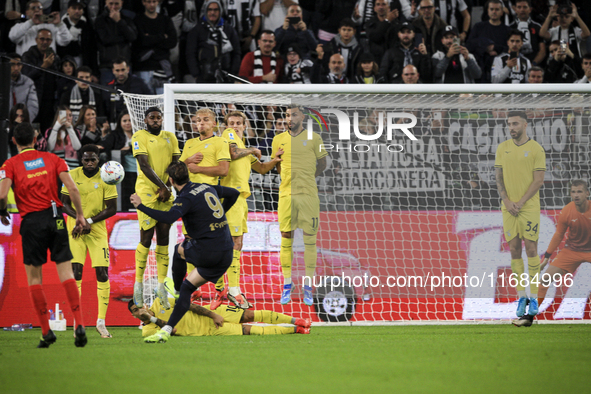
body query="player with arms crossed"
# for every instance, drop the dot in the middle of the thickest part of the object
(520, 165)
(34, 179)
(99, 202)
(154, 150)
(229, 320)
(299, 205)
(243, 159)
(207, 245)
(208, 159)
(576, 217)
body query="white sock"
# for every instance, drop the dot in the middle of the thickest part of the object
(521, 293)
(99, 321)
(287, 281)
(533, 295)
(167, 328)
(234, 291)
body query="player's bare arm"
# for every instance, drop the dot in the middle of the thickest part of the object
(238, 153)
(4, 188)
(145, 316)
(263, 168)
(195, 159)
(533, 188)
(220, 170)
(510, 205)
(110, 210)
(199, 310)
(75, 197)
(320, 166)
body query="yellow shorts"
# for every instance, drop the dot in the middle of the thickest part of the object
(151, 201)
(227, 329)
(299, 211)
(526, 225)
(237, 217)
(96, 244)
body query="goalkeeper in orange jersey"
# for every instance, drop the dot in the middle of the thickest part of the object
(576, 218)
(520, 165)
(229, 320)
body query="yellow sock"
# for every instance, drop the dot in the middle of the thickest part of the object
(162, 262)
(267, 330)
(285, 256)
(103, 291)
(533, 266)
(518, 269)
(79, 284)
(141, 258)
(310, 254)
(234, 270)
(219, 285)
(271, 317)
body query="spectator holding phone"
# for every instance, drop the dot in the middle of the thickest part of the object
(63, 139)
(511, 67)
(455, 64)
(24, 34)
(88, 127)
(430, 25)
(560, 67)
(295, 31)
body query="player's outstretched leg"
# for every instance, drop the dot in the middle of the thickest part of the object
(101, 328)
(161, 336)
(81, 339)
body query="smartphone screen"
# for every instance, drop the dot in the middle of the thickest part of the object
(418, 39)
(100, 120)
(63, 114)
(294, 20)
(512, 55)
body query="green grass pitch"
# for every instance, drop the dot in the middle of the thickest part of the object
(393, 359)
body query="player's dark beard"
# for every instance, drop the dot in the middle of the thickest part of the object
(154, 130)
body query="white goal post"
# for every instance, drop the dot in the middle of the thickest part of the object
(410, 217)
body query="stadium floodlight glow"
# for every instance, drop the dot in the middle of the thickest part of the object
(409, 196)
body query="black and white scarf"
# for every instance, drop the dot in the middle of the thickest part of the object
(258, 64)
(217, 36)
(76, 101)
(299, 77)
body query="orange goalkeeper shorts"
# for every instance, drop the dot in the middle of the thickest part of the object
(570, 260)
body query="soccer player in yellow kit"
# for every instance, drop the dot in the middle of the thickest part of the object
(154, 150)
(520, 165)
(99, 202)
(299, 206)
(202, 321)
(243, 159)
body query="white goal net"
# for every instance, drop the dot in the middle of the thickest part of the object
(410, 223)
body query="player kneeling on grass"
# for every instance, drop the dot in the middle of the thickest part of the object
(229, 320)
(207, 245)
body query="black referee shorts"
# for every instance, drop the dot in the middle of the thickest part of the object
(40, 232)
(211, 264)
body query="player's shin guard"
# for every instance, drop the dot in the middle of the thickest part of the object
(533, 267)
(79, 284)
(103, 291)
(234, 272)
(310, 254)
(182, 305)
(286, 256)
(271, 317)
(518, 269)
(40, 306)
(141, 259)
(258, 330)
(179, 268)
(74, 300)
(162, 262)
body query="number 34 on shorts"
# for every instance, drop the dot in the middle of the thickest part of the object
(525, 225)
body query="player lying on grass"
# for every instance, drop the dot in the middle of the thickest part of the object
(229, 320)
(207, 245)
(576, 218)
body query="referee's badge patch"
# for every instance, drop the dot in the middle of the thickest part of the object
(136, 145)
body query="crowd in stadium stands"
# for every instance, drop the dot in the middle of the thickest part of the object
(137, 46)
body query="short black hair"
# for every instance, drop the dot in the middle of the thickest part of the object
(89, 148)
(516, 32)
(348, 22)
(178, 172)
(130, 304)
(14, 55)
(266, 32)
(586, 56)
(521, 1)
(521, 114)
(152, 109)
(120, 60)
(24, 134)
(84, 69)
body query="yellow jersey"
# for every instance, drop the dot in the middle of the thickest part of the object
(518, 164)
(239, 172)
(93, 193)
(160, 149)
(214, 150)
(298, 167)
(191, 324)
